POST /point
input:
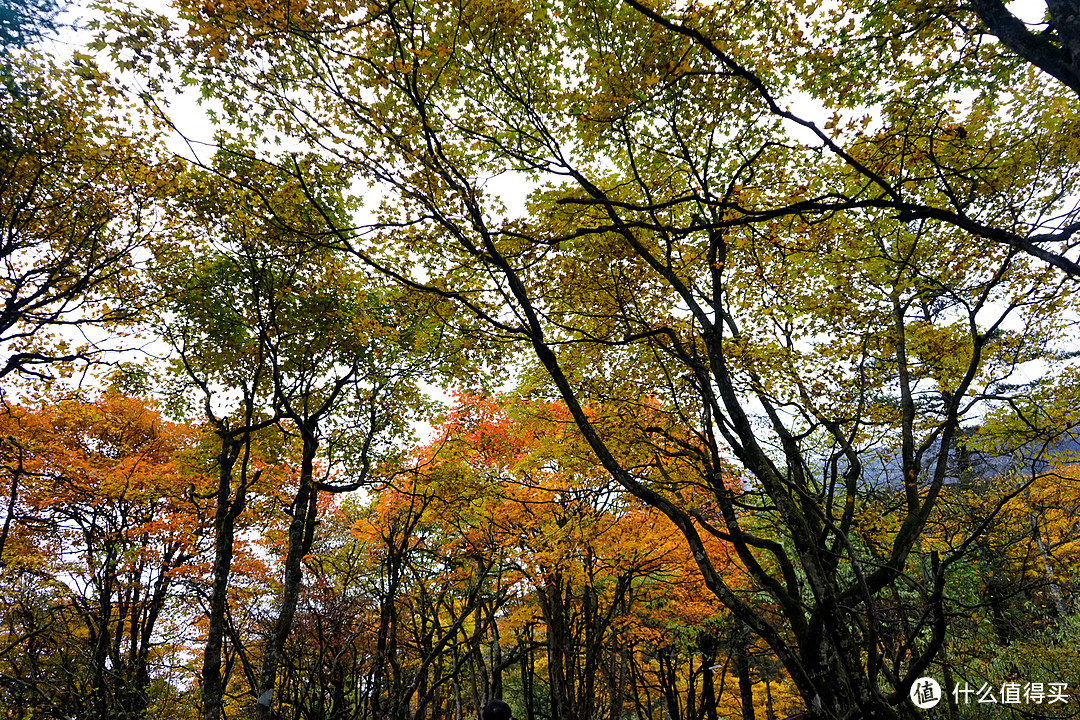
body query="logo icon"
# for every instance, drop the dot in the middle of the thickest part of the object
(925, 693)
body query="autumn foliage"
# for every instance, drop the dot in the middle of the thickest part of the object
(618, 359)
(101, 531)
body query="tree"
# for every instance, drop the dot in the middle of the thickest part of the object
(911, 64)
(104, 522)
(1055, 50)
(428, 587)
(603, 589)
(318, 352)
(24, 21)
(1018, 595)
(826, 305)
(489, 555)
(217, 352)
(327, 658)
(79, 185)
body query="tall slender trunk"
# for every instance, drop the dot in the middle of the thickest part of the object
(528, 672)
(553, 604)
(1048, 569)
(227, 509)
(141, 643)
(496, 653)
(301, 535)
(742, 671)
(100, 692)
(708, 689)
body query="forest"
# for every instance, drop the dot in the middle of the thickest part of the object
(619, 359)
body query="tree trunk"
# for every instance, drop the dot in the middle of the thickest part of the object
(301, 535)
(742, 671)
(226, 511)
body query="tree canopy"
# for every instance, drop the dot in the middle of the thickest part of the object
(780, 299)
